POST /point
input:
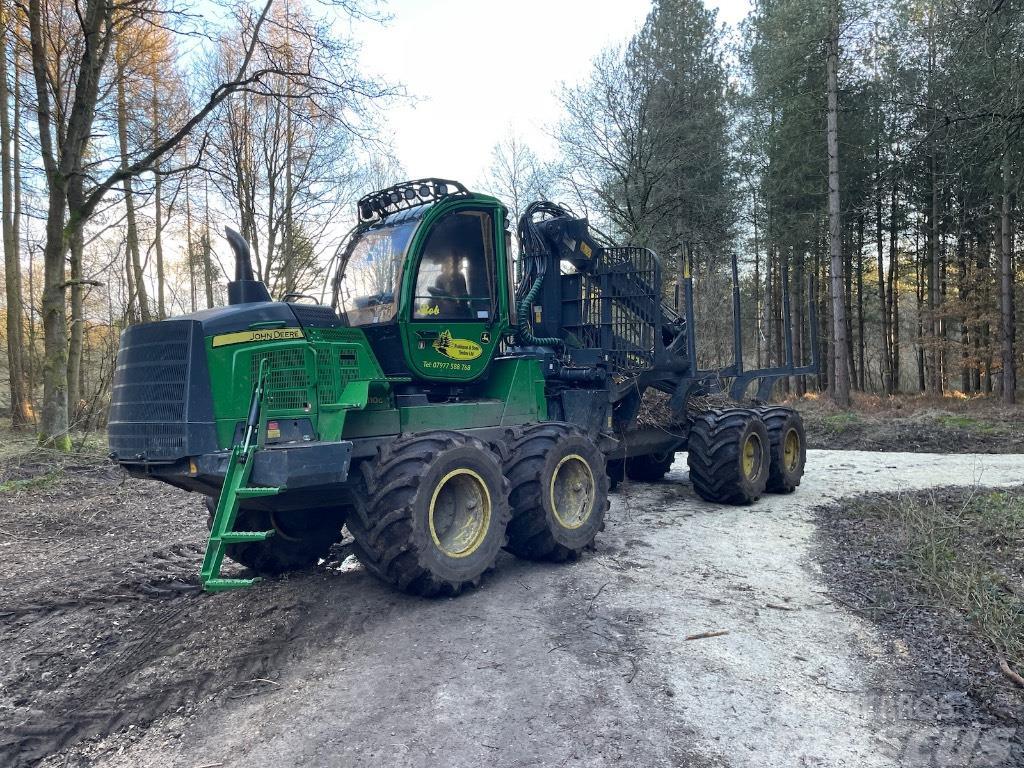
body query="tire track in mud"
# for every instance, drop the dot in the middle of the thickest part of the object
(153, 656)
(174, 573)
(97, 637)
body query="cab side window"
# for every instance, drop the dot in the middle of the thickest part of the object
(455, 278)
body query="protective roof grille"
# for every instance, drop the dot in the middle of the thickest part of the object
(409, 194)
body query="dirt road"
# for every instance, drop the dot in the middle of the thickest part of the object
(585, 664)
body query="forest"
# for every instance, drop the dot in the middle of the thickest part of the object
(865, 157)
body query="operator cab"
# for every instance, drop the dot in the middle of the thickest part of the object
(455, 276)
(425, 278)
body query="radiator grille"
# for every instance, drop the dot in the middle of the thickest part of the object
(315, 316)
(335, 368)
(155, 442)
(287, 380)
(351, 335)
(160, 400)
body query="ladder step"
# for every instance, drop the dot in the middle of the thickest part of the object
(254, 493)
(222, 585)
(240, 537)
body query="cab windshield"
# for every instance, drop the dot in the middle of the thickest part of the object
(369, 284)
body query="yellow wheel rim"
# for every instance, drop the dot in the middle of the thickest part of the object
(572, 491)
(791, 450)
(460, 513)
(752, 456)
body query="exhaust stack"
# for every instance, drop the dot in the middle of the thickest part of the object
(245, 288)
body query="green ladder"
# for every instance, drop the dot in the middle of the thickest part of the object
(235, 489)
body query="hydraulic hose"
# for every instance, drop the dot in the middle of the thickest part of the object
(524, 334)
(535, 251)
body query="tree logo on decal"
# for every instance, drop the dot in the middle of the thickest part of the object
(456, 349)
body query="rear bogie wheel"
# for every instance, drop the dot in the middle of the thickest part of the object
(432, 514)
(650, 467)
(728, 455)
(788, 447)
(301, 538)
(559, 491)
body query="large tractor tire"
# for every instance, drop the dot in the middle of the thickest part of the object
(434, 514)
(728, 455)
(649, 468)
(559, 491)
(301, 538)
(788, 447)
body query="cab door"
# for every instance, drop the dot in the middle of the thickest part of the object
(455, 310)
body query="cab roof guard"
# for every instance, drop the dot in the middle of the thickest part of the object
(408, 194)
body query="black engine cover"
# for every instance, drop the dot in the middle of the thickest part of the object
(161, 407)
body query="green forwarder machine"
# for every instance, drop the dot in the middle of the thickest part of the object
(438, 408)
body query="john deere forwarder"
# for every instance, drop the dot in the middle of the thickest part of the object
(438, 408)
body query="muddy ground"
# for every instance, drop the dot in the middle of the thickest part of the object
(113, 658)
(891, 558)
(918, 424)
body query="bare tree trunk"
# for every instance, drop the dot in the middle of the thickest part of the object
(1006, 289)
(784, 284)
(933, 382)
(76, 333)
(207, 260)
(861, 343)
(841, 390)
(963, 295)
(851, 360)
(131, 309)
(757, 279)
(893, 310)
(30, 362)
(829, 378)
(976, 311)
(777, 305)
(766, 309)
(132, 232)
(190, 251)
(765, 318)
(883, 307)
(986, 326)
(158, 245)
(919, 265)
(54, 425)
(290, 267)
(979, 306)
(21, 412)
(799, 320)
(25, 308)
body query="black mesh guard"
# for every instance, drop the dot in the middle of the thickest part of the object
(161, 406)
(316, 316)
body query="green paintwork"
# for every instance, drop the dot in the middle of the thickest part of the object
(332, 377)
(519, 384)
(332, 380)
(479, 413)
(418, 334)
(237, 475)
(321, 378)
